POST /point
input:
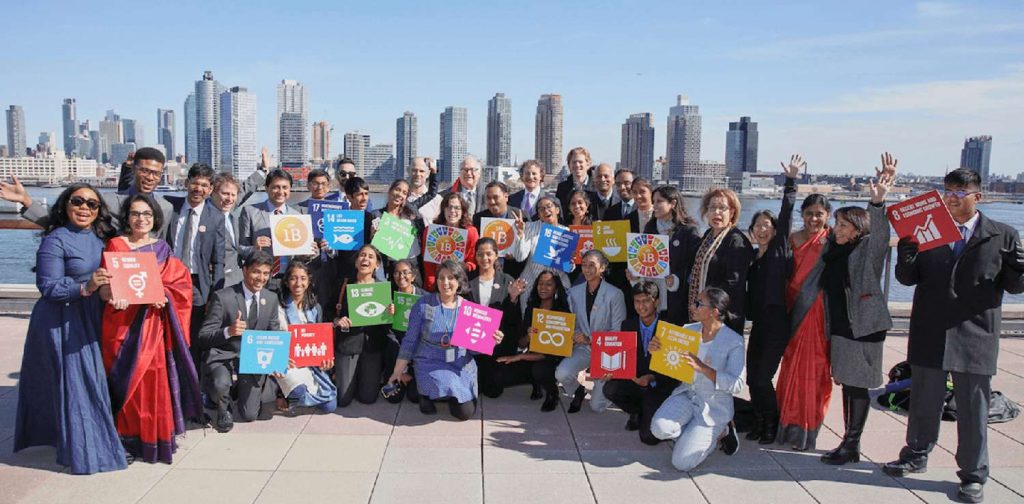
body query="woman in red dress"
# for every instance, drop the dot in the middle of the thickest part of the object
(153, 383)
(805, 385)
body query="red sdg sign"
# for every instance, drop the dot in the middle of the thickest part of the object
(615, 353)
(311, 344)
(134, 276)
(925, 220)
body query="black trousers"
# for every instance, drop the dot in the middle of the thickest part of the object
(358, 377)
(543, 372)
(498, 376)
(252, 390)
(927, 397)
(634, 399)
(768, 338)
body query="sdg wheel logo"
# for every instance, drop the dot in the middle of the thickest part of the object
(647, 256)
(445, 243)
(291, 232)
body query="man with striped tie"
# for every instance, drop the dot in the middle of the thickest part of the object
(254, 223)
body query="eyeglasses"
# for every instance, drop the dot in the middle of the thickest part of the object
(91, 204)
(345, 174)
(147, 215)
(959, 194)
(149, 173)
(716, 209)
(319, 184)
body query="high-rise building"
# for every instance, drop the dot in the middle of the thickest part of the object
(499, 131)
(356, 145)
(547, 144)
(95, 146)
(291, 139)
(111, 132)
(975, 155)
(637, 153)
(133, 132)
(379, 163)
(405, 142)
(69, 112)
(454, 145)
(705, 175)
(238, 152)
(17, 141)
(208, 128)
(165, 131)
(119, 152)
(321, 141)
(740, 151)
(682, 139)
(191, 131)
(47, 143)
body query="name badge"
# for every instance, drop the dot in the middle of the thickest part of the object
(449, 355)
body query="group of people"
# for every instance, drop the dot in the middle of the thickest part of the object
(107, 382)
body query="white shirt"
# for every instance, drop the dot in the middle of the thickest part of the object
(198, 209)
(250, 297)
(971, 224)
(486, 288)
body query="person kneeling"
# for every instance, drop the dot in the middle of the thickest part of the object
(698, 414)
(232, 311)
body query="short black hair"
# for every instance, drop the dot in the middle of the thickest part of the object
(816, 199)
(486, 240)
(624, 170)
(259, 257)
(201, 170)
(355, 184)
(647, 287)
(278, 173)
(158, 214)
(345, 160)
(498, 184)
(963, 177)
(150, 154)
(767, 214)
(317, 173)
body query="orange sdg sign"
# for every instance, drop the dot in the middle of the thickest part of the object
(292, 234)
(501, 231)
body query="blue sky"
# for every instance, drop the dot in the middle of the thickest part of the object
(837, 81)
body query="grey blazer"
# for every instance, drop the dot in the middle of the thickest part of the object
(221, 313)
(40, 213)
(255, 221)
(608, 313)
(232, 259)
(866, 304)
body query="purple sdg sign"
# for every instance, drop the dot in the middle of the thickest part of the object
(475, 326)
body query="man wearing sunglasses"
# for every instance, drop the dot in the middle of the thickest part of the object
(147, 170)
(954, 330)
(345, 170)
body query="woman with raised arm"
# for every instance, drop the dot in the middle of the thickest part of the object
(766, 294)
(397, 197)
(857, 312)
(548, 212)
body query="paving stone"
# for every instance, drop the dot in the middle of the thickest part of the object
(312, 452)
(537, 488)
(252, 452)
(286, 487)
(427, 489)
(750, 487)
(203, 485)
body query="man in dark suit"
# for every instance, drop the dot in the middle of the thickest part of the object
(254, 222)
(224, 196)
(232, 311)
(578, 180)
(954, 330)
(496, 197)
(468, 184)
(604, 192)
(531, 173)
(196, 234)
(643, 395)
(625, 205)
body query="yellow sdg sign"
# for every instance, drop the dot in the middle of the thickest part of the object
(610, 238)
(554, 332)
(675, 341)
(292, 234)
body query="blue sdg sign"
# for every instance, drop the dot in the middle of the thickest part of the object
(343, 229)
(264, 352)
(555, 247)
(316, 213)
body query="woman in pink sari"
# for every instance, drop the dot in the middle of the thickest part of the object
(805, 385)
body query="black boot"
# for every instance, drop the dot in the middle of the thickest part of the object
(856, 405)
(577, 399)
(770, 429)
(758, 431)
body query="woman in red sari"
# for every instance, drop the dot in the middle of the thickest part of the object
(153, 383)
(805, 385)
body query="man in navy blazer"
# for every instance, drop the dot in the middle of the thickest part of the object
(531, 174)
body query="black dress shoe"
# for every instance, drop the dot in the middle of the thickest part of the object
(536, 393)
(731, 441)
(758, 431)
(550, 403)
(225, 422)
(769, 432)
(846, 452)
(427, 406)
(971, 492)
(633, 424)
(903, 467)
(577, 399)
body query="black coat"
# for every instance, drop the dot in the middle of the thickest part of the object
(955, 320)
(682, 245)
(500, 301)
(727, 270)
(209, 247)
(769, 274)
(564, 191)
(225, 305)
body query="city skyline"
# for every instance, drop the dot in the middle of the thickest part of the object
(839, 86)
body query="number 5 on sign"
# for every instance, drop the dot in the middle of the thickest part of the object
(554, 332)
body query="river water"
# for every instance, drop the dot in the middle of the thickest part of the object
(17, 252)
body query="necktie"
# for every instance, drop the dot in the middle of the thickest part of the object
(528, 207)
(186, 245)
(277, 260)
(626, 209)
(961, 244)
(229, 228)
(253, 316)
(470, 201)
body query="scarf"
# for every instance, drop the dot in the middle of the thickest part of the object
(698, 275)
(291, 311)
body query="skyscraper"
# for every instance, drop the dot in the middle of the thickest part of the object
(637, 153)
(356, 145)
(499, 131)
(682, 139)
(975, 155)
(208, 117)
(453, 143)
(321, 141)
(379, 163)
(740, 151)
(133, 132)
(165, 131)
(405, 141)
(191, 131)
(69, 112)
(111, 132)
(17, 141)
(238, 132)
(291, 138)
(547, 144)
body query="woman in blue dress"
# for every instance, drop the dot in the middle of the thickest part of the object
(63, 400)
(443, 371)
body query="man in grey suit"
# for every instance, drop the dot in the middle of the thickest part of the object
(148, 167)
(232, 311)
(254, 222)
(468, 184)
(227, 199)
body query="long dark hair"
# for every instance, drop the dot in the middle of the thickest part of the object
(560, 302)
(467, 219)
(679, 215)
(309, 298)
(102, 226)
(406, 212)
(158, 214)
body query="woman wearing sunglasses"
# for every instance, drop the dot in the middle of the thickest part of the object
(62, 394)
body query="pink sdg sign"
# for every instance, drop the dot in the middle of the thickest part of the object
(475, 326)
